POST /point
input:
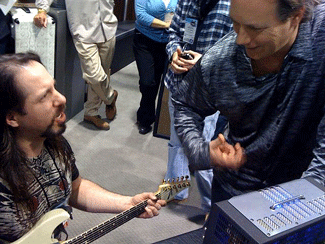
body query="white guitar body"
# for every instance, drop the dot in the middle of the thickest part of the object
(42, 231)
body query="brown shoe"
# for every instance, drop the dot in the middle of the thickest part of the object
(97, 121)
(111, 109)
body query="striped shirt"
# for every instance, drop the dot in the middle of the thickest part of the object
(277, 118)
(216, 24)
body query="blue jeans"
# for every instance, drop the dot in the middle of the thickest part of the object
(178, 163)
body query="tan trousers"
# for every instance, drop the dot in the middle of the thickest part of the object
(96, 60)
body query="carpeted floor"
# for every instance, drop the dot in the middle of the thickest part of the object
(128, 163)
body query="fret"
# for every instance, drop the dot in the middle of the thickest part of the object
(166, 191)
(109, 225)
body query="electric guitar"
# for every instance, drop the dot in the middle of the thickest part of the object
(42, 231)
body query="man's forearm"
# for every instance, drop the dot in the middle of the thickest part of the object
(91, 197)
(189, 127)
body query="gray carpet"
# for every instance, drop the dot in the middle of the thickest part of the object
(123, 161)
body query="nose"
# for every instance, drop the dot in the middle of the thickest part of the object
(59, 99)
(243, 37)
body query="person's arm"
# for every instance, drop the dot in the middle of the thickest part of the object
(175, 44)
(146, 19)
(316, 168)
(43, 7)
(175, 31)
(193, 101)
(191, 107)
(90, 197)
(157, 23)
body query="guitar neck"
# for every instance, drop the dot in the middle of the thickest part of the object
(109, 225)
(42, 231)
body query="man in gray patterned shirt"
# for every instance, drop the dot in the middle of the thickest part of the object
(38, 172)
(267, 77)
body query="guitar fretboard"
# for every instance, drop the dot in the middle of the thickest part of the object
(109, 225)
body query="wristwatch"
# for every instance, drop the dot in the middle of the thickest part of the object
(40, 10)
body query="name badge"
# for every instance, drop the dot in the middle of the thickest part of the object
(190, 29)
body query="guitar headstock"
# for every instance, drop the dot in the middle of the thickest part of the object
(168, 189)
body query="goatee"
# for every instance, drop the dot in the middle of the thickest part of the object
(50, 133)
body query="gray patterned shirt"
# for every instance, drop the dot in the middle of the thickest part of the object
(278, 118)
(50, 188)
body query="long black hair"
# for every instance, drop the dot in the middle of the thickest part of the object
(14, 167)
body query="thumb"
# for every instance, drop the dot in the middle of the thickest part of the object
(179, 50)
(221, 138)
(219, 141)
(45, 23)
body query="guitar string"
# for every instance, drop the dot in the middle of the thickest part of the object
(102, 229)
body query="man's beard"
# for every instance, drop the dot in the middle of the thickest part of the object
(50, 133)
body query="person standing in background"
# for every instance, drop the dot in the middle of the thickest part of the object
(153, 17)
(196, 26)
(6, 41)
(93, 26)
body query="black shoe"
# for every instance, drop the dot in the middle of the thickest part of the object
(144, 129)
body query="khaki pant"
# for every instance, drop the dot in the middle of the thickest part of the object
(96, 60)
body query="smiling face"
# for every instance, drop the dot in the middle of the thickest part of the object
(44, 105)
(260, 31)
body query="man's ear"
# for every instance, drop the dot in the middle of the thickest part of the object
(11, 119)
(299, 15)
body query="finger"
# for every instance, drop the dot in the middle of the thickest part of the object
(191, 52)
(177, 69)
(231, 150)
(154, 211)
(221, 138)
(151, 196)
(185, 62)
(218, 141)
(241, 154)
(221, 157)
(225, 148)
(180, 61)
(45, 22)
(154, 205)
(162, 203)
(41, 22)
(179, 51)
(174, 57)
(149, 212)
